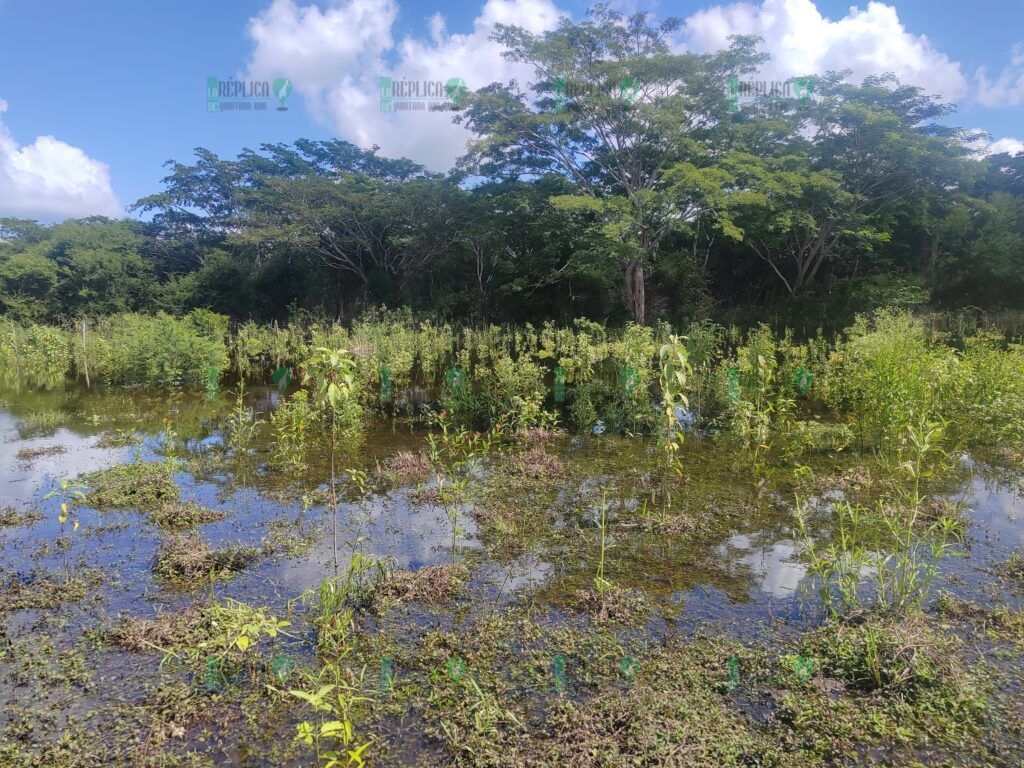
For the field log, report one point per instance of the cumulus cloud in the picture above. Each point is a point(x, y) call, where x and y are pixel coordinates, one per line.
point(1007, 90)
point(334, 51)
point(51, 180)
point(336, 54)
point(801, 42)
point(984, 145)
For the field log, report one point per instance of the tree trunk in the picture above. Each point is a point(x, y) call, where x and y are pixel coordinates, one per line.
point(635, 289)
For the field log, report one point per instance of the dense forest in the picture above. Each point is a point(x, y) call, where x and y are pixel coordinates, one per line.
point(577, 197)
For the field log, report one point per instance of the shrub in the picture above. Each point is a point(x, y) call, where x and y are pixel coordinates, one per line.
point(157, 350)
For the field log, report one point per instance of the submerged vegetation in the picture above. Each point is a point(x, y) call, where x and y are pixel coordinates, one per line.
point(690, 454)
point(623, 459)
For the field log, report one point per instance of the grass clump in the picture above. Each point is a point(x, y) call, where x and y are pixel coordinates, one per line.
point(11, 517)
point(150, 489)
point(139, 485)
point(1014, 567)
point(537, 464)
point(43, 590)
point(28, 455)
point(187, 558)
point(434, 584)
point(614, 604)
point(898, 656)
point(406, 467)
point(886, 680)
point(44, 420)
point(181, 515)
point(999, 622)
point(166, 630)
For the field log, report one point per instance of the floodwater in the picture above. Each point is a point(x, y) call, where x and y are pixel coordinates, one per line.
point(740, 571)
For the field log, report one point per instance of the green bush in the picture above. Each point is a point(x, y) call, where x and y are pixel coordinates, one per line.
point(887, 375)
point(37, 354)
point(152, 350)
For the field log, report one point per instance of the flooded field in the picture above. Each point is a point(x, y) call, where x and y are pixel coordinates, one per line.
point(205, 606)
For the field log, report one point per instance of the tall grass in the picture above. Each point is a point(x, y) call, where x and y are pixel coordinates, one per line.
point(883, 374)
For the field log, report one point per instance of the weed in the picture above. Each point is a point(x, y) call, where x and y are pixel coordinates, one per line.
point(241, 427)
point(137, 485)
point(433, 584)
point(28, 455)
point(11, 517)
point(186, 558)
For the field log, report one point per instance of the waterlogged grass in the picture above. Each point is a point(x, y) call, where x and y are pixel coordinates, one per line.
point(11, 517)
point(186, 559)
point(47, 590)
point(144, 486)
point(521, 596)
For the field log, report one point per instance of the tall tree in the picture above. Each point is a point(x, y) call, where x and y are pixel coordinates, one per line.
point(612, 108)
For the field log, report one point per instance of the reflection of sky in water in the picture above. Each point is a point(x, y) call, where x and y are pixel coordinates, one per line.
point(998, 516)
point(773, 566)
point(20, 482)
point(743, 573)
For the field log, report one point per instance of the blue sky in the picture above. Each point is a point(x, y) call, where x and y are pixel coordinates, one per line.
point(120, 86)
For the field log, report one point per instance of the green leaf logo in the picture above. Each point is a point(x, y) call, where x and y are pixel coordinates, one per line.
point(456, 90)
point(282, 88)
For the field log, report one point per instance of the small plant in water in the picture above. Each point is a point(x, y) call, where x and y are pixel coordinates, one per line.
point(332, 374)
point(601, 585)
point(68, 493)
point(241, 426)
point(454, 453)
point(897, 548)
point(672, 377)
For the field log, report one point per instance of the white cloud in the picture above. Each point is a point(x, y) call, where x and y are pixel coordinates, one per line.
point(1011, 146)
point(334, 51)
point(1007, 90)
point(801, 42)
point(984, 145)
point(51, 180)
point(335, 55)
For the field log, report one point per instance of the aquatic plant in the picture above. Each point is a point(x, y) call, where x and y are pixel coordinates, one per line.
point(672, 373)
point(68, 494)
point(138, 485)
point(331, 372)
point(155, 350)
point(291, 424)
point(332, 736)
point(602, 586)
point(896, 549)
point(887, 375)
point(759, 408)
point(241, 427)
point(453, 453)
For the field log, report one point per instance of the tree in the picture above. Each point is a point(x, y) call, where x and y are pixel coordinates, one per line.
point(27, 286)
point(612, 109)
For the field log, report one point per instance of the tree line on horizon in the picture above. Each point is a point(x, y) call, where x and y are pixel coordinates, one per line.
point(666, 200)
